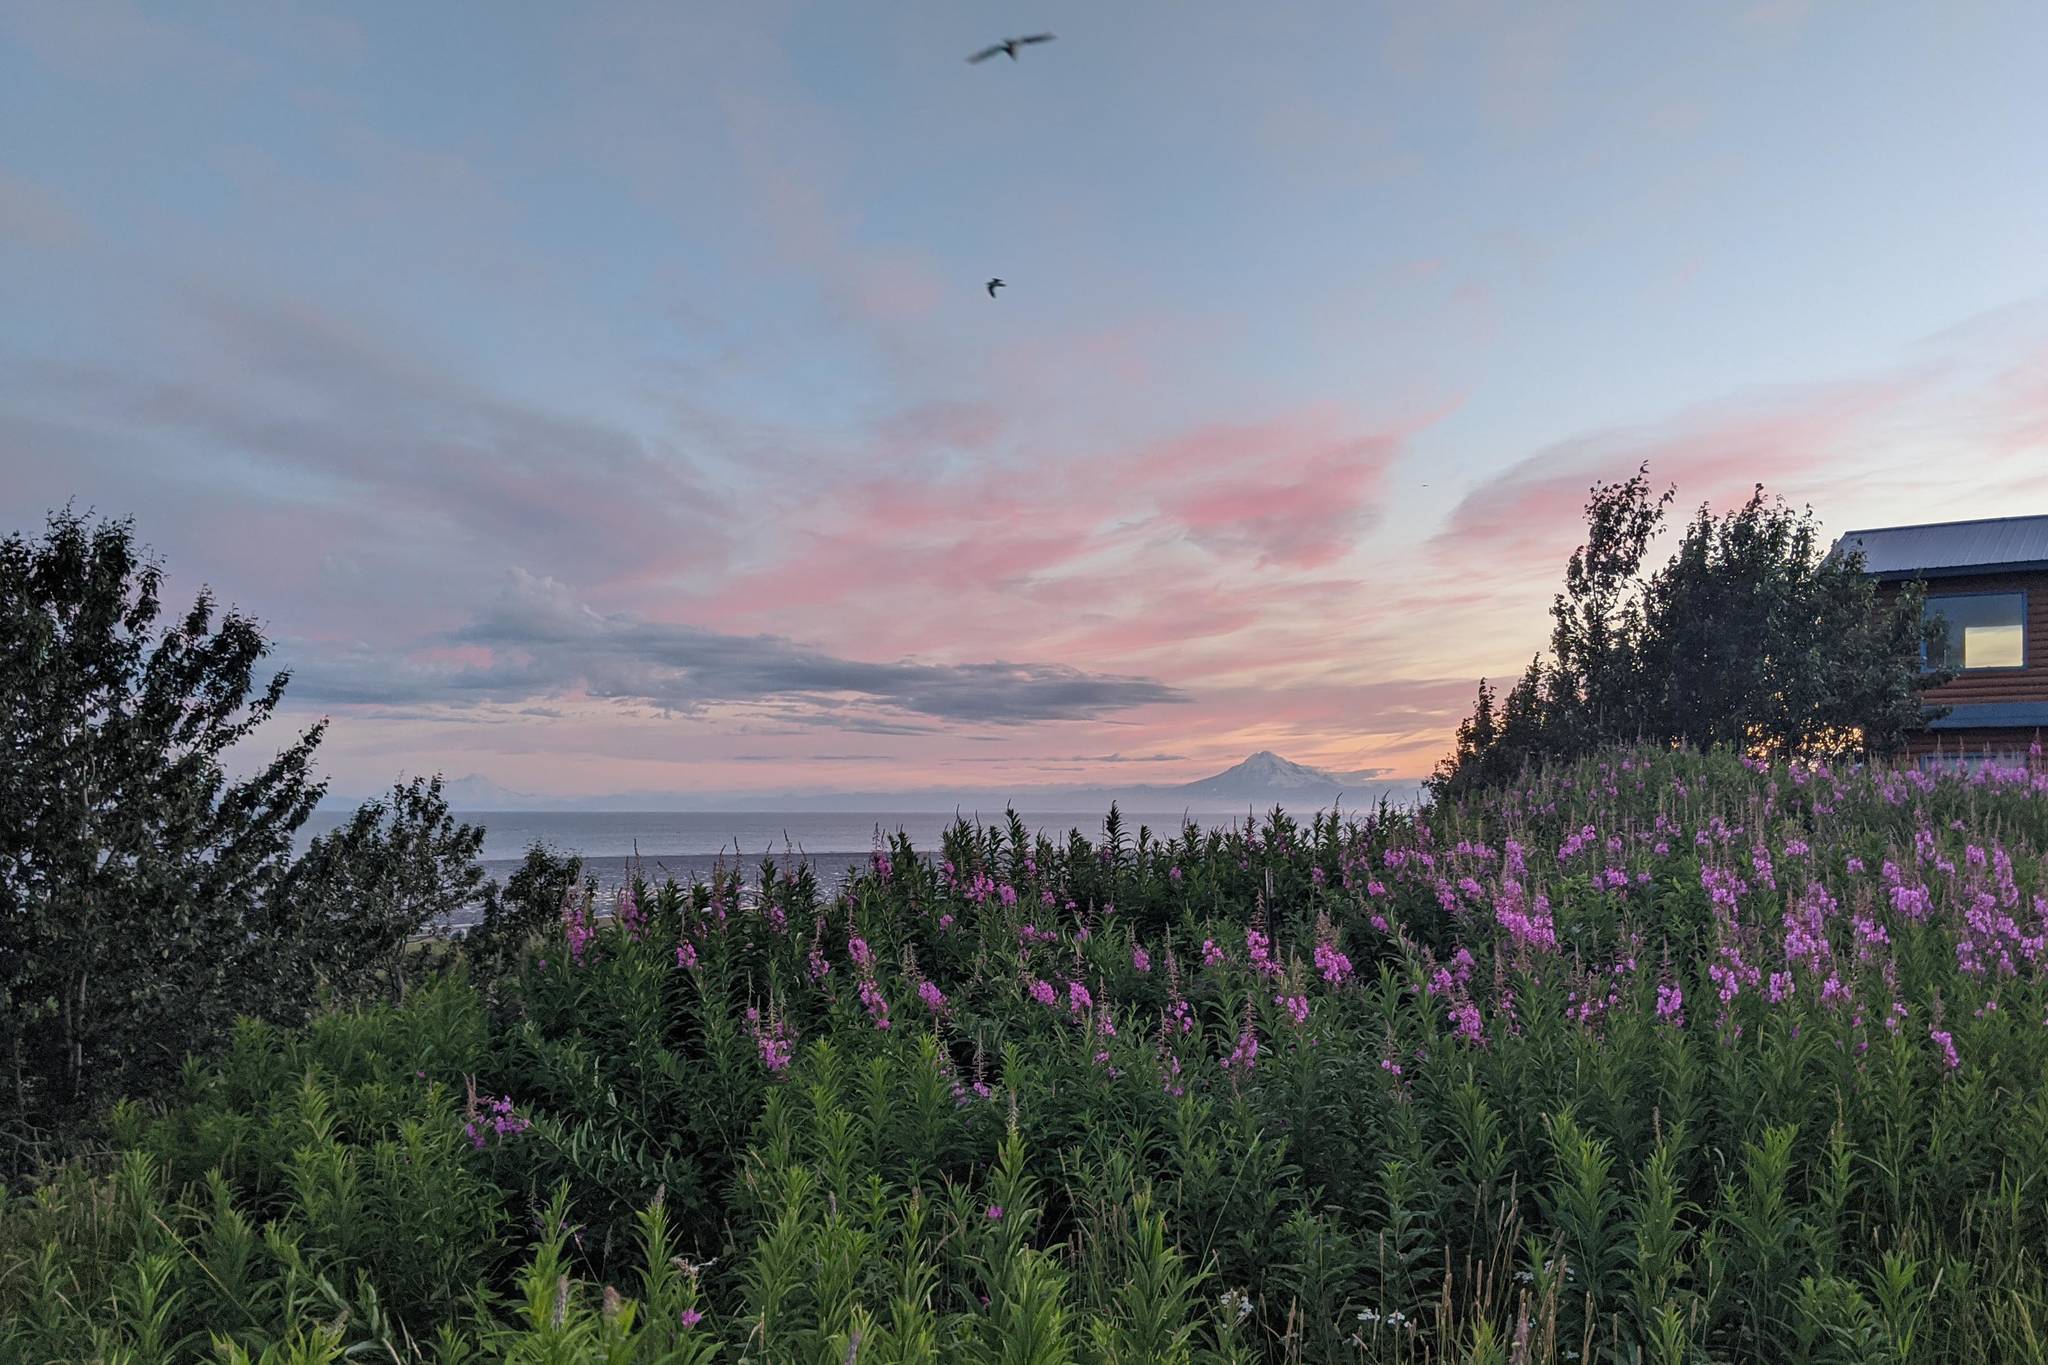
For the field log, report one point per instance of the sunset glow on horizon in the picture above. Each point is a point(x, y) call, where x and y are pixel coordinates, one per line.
point(607, 398)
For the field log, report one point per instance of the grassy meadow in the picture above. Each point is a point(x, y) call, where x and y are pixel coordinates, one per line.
point(1655, 1058)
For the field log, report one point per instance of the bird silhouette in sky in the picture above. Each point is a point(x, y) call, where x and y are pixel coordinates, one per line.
point(994, 285)
point(1009, 45)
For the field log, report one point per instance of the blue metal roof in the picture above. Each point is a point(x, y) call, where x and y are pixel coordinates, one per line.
point(2004, 715)
point(1949, 548)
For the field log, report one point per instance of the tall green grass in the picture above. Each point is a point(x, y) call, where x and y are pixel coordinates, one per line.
point(1658, 1058)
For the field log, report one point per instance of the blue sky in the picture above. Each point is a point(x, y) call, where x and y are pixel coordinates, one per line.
point(606, 396)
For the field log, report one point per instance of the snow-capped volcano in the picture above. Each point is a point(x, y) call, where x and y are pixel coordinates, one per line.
point(1265, 773)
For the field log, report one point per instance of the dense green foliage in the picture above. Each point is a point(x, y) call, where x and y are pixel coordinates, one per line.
point(136, 917)
point(1652, 1057)
point(147, 898)
point(1752, 637)
point(362, 891)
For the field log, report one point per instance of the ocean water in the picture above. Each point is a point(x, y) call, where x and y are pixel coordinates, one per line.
point(690, 843)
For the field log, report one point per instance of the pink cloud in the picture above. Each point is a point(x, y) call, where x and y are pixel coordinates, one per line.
point(2022, 402)
point(1532, 515)
point(894, 563)
point(1287, 492)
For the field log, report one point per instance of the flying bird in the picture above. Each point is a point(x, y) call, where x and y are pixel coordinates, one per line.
point(994, 285)
point(1009, 45)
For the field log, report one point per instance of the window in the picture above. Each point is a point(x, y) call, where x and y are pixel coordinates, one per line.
point(1985, 630)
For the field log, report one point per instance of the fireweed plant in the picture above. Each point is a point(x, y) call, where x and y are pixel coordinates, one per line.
point(1655, 1058)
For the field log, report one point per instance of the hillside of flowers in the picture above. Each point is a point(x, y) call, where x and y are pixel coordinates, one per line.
point(1656, 1058)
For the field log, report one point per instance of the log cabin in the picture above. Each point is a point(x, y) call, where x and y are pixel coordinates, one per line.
point(1989, 581)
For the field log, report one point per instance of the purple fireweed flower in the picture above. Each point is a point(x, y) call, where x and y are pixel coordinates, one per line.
point(1170, 1069)
point(497, 1118)
point(1141, 961)
point(686, 953)
point(934, 999)
point(1078, 1000)
point(773, 1039)
point(1333, 965)
point(1044, 994)
point(1912, 902)
point(1296, 1007)
point(857, 949)
point(576, 927)
point(1671, 1004)
point(1173, 873)
point(1947, 1043)
point(994, 1213)
point(877, 1004)
point(691, 1317)
point(1528, 924)
point(1245, 1056)
point(1211, 954)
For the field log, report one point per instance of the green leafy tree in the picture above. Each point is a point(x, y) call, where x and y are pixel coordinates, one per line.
point(363, 891)
point(135, 874)
point(1752, 636)
point(531, 900)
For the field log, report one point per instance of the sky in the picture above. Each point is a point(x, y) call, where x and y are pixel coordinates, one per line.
point(605, 397)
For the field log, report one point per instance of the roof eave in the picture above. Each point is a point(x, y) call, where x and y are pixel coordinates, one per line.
point(1959, 570)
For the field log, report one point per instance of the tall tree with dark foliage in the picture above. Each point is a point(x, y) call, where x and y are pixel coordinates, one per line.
point(402, 865)
point(135, 874)
point(1751, 636)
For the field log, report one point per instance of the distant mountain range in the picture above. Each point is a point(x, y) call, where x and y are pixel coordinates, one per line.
point(1261, 781)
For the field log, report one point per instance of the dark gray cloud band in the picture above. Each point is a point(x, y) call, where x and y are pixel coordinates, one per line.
point(543, 643)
